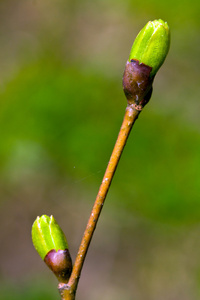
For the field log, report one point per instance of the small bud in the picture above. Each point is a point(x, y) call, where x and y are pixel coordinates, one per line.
point(51, 244)
point(148, 53)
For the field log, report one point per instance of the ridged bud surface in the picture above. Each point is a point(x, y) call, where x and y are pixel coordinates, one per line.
point(152, 45)
point(51, 244)
point(47, 235)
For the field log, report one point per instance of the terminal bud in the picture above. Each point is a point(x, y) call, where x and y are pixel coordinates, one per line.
point(148, 53)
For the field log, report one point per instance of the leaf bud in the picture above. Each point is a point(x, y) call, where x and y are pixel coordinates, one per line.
point(148, 53)
point(51, 244)
point(151, 45)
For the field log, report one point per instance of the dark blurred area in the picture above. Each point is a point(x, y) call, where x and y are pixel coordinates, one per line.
point(61, 107)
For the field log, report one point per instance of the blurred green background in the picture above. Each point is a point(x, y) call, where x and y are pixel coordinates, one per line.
point(61, 107)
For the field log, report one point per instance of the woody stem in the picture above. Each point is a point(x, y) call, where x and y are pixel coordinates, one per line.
point(68, 290)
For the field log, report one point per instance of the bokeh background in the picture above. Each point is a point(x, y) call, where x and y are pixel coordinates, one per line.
point(61, 106)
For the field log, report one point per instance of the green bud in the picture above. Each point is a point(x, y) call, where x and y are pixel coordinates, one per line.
point(51, 244)
point(148, 53)
point(152, 45)
point(47, 235)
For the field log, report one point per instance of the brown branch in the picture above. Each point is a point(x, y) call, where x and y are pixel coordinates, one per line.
point(68, 290)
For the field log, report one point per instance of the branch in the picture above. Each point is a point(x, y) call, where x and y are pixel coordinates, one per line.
point(68, 290)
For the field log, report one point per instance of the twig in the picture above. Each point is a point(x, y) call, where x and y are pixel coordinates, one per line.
point(68, 290)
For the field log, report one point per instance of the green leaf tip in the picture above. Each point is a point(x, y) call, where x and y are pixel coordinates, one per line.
point(152, 45)
point(47, 235)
